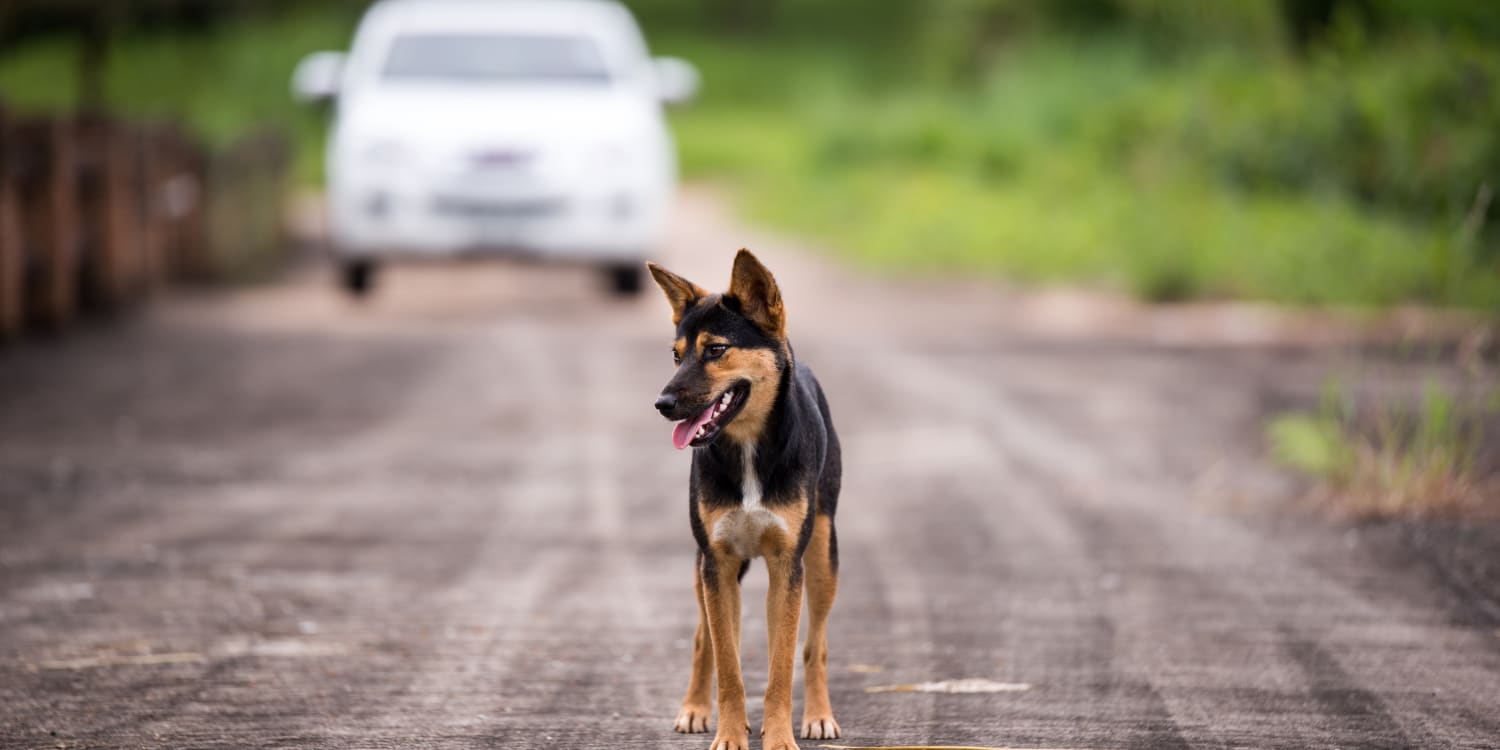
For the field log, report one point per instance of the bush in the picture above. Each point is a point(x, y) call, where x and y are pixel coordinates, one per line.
point(1389, 460)
point(1217, 175)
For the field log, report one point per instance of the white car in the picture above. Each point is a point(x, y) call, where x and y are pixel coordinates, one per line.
point(520, 127)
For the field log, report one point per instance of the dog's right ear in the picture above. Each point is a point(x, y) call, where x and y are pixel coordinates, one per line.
point(680, 292)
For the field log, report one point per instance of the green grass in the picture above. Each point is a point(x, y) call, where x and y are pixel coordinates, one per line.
point(1189, 169)
point(1391, 459)
point(1091, 161)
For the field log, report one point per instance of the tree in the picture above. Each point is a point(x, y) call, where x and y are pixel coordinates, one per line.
point(95, 23)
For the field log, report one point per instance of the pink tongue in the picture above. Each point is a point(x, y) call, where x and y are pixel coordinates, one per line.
point(683, 433)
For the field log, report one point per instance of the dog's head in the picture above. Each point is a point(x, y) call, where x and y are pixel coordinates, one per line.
point(730, 352)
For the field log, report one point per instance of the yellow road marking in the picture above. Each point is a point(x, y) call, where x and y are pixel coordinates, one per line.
point(90, 662)
point(969, 685)
point(935, 747)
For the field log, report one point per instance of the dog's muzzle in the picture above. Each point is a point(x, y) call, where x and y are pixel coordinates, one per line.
point(665, 403)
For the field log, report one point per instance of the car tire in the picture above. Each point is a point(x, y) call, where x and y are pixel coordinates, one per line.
point(625, 279)
point(358, 277)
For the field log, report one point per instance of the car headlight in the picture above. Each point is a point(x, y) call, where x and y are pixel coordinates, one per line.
point(612, 157)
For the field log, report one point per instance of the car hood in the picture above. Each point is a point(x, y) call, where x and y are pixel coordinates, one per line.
point(459, 119)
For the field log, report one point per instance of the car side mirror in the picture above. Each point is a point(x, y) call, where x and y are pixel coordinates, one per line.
point(317, 76)
point(676, 80)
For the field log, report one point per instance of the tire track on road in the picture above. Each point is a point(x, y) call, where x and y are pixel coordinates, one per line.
point(1036, 553)
point(1163, 548)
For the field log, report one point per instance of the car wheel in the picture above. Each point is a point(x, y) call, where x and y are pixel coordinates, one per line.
point(625, 279)
point(358, 277)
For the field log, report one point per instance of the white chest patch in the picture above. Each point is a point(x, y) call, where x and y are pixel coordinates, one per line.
point(749, 482)
point(743, 527)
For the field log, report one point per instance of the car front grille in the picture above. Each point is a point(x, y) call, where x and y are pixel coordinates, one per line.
point(488, 209)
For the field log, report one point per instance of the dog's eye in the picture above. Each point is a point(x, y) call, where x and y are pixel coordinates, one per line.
point(676, 358)
point(714, 351)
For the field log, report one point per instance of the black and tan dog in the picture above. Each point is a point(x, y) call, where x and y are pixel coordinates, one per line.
point(765, 481)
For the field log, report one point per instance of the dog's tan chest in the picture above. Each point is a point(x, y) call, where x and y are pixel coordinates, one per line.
point(743, 529)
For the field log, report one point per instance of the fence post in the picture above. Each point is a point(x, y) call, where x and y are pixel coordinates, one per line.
point(245, 200)
point(185, 200)
point(122, 235)
point(156, 222)
point(186, 194)
point(43, 174)
point(111, 261)
point(98, 212)
point(12, 254)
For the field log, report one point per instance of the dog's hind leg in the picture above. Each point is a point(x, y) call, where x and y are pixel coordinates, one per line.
point(698, 705)
point(821, 564)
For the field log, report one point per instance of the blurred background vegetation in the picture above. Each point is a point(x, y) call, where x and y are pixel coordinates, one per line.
point(1304, 151)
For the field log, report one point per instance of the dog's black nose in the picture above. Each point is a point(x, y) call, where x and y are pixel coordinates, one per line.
point(666, 403)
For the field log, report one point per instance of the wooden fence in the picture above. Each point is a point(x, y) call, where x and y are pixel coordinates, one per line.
point(97, 214)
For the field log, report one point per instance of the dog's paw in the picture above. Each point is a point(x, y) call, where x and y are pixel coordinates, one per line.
point(692, 719)
point(779, 740)
point(728, 742)
point(820, 728)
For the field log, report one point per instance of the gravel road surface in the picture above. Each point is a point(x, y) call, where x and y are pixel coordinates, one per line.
point(451, 518)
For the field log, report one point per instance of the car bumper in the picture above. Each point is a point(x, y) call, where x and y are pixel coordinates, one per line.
point(583, 225)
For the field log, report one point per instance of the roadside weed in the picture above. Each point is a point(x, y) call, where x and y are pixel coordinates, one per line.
point(1389, 457)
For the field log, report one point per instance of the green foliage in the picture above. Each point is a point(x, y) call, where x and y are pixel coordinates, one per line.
point(1173, 148)
point(1391, 459)
point(1410, 125)
point(221, 82)
point(1311, 444)
point(1222, 174)
point(1318, 443)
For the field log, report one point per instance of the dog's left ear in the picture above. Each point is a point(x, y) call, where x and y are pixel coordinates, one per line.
point(681, 293)
point(754, 288)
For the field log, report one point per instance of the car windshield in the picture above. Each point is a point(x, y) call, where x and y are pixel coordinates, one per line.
point(495, 58)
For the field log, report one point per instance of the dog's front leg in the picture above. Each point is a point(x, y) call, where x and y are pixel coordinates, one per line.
point(697, 705)
point(720, 574)
point(783, 609)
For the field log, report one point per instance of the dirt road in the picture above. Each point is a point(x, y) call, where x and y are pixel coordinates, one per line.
point(451, 518)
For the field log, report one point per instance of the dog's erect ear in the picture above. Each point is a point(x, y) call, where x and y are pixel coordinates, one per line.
point(754, 288)
point(680, 292)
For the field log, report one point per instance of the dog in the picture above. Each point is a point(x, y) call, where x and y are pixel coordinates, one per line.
point(764, 483)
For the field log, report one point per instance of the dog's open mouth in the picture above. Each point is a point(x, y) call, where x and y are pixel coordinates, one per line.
point(702, 429)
